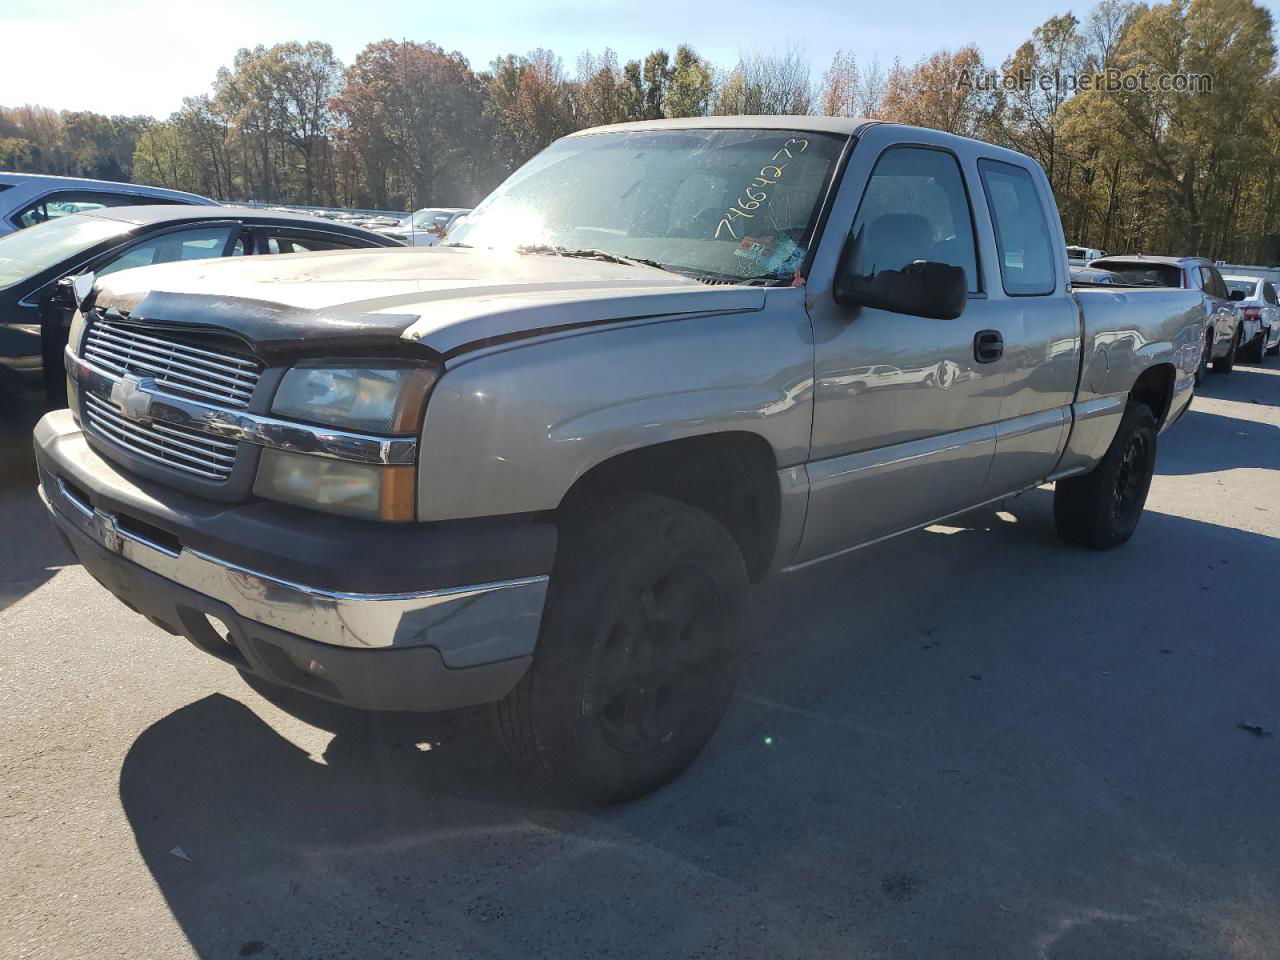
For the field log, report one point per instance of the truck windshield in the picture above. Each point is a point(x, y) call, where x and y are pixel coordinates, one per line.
point(732, 204)
point(32, 251)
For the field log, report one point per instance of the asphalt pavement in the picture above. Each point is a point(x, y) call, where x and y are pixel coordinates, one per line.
point(972, 741)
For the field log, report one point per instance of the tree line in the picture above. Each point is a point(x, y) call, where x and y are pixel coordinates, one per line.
point(407, 124)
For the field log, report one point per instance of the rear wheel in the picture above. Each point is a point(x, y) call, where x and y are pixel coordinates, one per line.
point(1101, 509)
point(638, 653)
point(1227, 364)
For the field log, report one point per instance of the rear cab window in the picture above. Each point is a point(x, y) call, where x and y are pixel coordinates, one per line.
point(1022, 232)
point(284, 241)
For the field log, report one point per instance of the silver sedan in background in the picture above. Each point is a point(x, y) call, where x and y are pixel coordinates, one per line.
point(1259, 308)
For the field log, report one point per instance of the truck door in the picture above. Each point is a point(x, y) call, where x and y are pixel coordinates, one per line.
point(905, 407)
point(1030, 304)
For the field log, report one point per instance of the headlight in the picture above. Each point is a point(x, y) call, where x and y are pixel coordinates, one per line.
point(377, 399)
point(368, 490)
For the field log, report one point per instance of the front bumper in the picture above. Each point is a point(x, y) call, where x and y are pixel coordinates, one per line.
point(427, 649)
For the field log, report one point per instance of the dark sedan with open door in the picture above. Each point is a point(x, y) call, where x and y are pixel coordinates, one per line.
point(38, 264)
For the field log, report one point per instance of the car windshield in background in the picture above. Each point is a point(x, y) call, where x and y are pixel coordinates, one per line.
point(1143, 274)
point(736, 204)
point(34, 250)
point(1248, 287)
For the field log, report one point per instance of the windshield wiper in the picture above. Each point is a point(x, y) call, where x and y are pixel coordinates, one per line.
point(694, 273)
point(589, 253)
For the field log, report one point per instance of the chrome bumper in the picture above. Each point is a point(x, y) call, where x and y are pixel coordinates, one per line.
point(470, 625)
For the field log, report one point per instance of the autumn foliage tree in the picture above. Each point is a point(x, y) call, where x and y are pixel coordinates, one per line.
point(409, 124)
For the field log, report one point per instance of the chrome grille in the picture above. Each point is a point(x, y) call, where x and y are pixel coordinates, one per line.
point(178, 365)
point(175, 447)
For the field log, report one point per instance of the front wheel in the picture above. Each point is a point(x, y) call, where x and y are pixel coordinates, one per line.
point(1101, 509)
point(639, 650)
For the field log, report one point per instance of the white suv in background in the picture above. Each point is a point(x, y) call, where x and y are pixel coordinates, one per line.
point(1259, 308)
point(1080, 256)
point(30, 198)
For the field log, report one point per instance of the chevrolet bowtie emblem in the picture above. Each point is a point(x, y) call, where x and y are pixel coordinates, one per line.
point(131, 396)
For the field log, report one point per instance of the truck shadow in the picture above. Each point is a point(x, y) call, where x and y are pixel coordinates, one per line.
point(32, 550)
point(1203, 442)
point(969, 741)
point(1247, 383)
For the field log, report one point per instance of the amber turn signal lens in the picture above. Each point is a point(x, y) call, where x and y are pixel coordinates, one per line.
point(398, 500)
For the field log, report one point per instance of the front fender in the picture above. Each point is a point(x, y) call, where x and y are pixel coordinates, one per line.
point(509, 431)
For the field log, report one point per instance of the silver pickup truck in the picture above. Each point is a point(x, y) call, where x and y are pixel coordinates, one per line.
point(539, 465)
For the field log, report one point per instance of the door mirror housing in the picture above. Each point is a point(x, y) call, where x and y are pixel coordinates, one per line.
point(923, 288)
point(83, 286)
point(1237, 295)
point(70, 291)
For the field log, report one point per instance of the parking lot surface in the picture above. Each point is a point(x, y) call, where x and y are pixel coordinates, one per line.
point(972, 741)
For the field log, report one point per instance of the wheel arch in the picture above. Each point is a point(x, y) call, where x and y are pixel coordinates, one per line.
point(731, 475)
point(1155, 388)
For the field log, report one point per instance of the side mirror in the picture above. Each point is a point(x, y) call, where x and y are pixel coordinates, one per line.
point(80, 287)
point(920, 289)
point(1237, 295)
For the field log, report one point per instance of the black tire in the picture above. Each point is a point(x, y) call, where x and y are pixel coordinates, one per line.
point(1202, 370)
point(1101, 509)
point(639, 652)
point(1260, 351)
point(1274, 351)
point(1227, 364)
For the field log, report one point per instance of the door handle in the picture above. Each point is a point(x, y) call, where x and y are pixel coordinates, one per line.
point(988, 346)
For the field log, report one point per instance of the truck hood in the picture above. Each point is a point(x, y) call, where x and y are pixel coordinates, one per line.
point(444, 300)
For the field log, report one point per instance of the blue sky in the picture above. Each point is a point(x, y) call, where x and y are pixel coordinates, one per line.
point(143, 56)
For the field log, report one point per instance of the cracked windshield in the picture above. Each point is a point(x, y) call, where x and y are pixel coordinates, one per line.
point(720, 204)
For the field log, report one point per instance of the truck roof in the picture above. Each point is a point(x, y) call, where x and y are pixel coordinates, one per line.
point(839, 126)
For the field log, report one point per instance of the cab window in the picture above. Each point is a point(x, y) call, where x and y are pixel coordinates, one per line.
point(1219, 285)
point(1022, 233)
point(1269, 293)
point(915, 208)
point(67, 202)
point(200, 243)
point(284, 243)
point(1214, 285)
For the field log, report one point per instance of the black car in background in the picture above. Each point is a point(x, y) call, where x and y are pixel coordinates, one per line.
point(36, 308)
